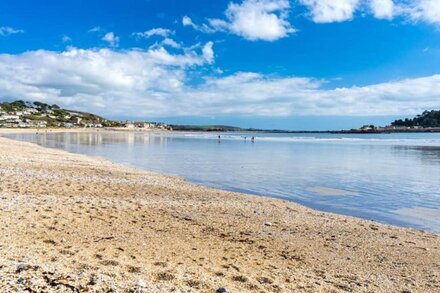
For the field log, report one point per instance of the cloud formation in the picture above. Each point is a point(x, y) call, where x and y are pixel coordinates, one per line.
point(327, 11)
point(154, 32)
point(157, 83)
point(424, 10)
point(324, 11)
point(170, 42)
point(66, 39)
point(383, 9)
point(111, 39)
point(208, 52)
point(95, 29)
point(187, 21)
point(268, 20)
point(7, 30)
point(251, 19)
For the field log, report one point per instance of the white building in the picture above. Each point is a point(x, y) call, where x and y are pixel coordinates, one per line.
point(11, 117)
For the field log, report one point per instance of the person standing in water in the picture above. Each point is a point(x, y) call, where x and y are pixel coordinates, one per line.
point(253, 139)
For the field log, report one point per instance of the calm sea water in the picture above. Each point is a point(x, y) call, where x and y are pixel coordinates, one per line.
point(390, 178)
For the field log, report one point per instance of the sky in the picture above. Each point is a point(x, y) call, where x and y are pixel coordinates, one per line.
point(285, 64)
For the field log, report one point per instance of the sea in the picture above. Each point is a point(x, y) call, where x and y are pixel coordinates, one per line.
point(387, 178)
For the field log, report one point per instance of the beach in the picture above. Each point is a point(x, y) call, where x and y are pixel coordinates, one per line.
point(73, 223)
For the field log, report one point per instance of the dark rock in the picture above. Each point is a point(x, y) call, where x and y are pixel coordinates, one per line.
point(241, 279)
point(264, 280)
point(92, 280)
point(221, 290)
point(21, 267)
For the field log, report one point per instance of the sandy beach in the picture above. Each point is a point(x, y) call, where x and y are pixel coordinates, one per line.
point(72, 223)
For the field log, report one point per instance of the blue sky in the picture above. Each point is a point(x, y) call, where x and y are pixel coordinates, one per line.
point(299, 64)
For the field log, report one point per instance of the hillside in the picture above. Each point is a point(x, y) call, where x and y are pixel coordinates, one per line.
point(21, 114)
point(37, 114)
point(426, 120)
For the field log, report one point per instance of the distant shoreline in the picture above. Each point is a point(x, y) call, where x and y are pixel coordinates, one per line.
point(353, 131)
point(429, 130)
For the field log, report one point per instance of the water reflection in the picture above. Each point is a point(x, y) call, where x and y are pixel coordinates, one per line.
point(381, 174)
point(424, 217)
point(428, 153)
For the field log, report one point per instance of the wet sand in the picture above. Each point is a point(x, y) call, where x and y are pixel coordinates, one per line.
point(325, 191)
point(72, 223)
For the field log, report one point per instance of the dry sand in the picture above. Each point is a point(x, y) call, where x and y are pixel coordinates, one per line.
point(72, 223)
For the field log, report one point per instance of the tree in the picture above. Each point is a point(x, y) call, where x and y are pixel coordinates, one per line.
point(426, 119)
point(41, 105)
point(20, 104)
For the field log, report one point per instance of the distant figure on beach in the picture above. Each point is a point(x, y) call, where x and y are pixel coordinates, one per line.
point(219, 139)
point(253, 139)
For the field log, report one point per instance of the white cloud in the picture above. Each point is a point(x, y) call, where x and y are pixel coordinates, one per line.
point(424, 10)
point(324, 11)
point(156, 83)
point(109, 82)
point(95, 29)
point(383, 9)
point(327, 11)
point(66, 39)
point(256, 94)
point(268, 19)
point(154, 32)
point(171, 43)
point(111, 39)
point(208, 52)
point(6, 31)
point(162, 32)
point(187, 21)
point(252, 19)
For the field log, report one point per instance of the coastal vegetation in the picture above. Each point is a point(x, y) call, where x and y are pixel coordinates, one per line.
point(23, 114)
point(426, 119)
point(38, 114)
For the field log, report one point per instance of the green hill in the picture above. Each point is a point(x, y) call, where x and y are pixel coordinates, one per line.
point(426, 120)
point(37, 114)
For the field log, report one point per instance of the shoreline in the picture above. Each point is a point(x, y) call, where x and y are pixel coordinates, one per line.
point(65, 216)
point(73, 130)
point(122, 129)
point(387, 220)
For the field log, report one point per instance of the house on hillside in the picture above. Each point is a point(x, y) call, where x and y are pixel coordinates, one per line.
point(368, 128)
point(77, 120)
point(11, 118)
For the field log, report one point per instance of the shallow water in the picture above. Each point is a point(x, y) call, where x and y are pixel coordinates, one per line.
point(388, 178)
